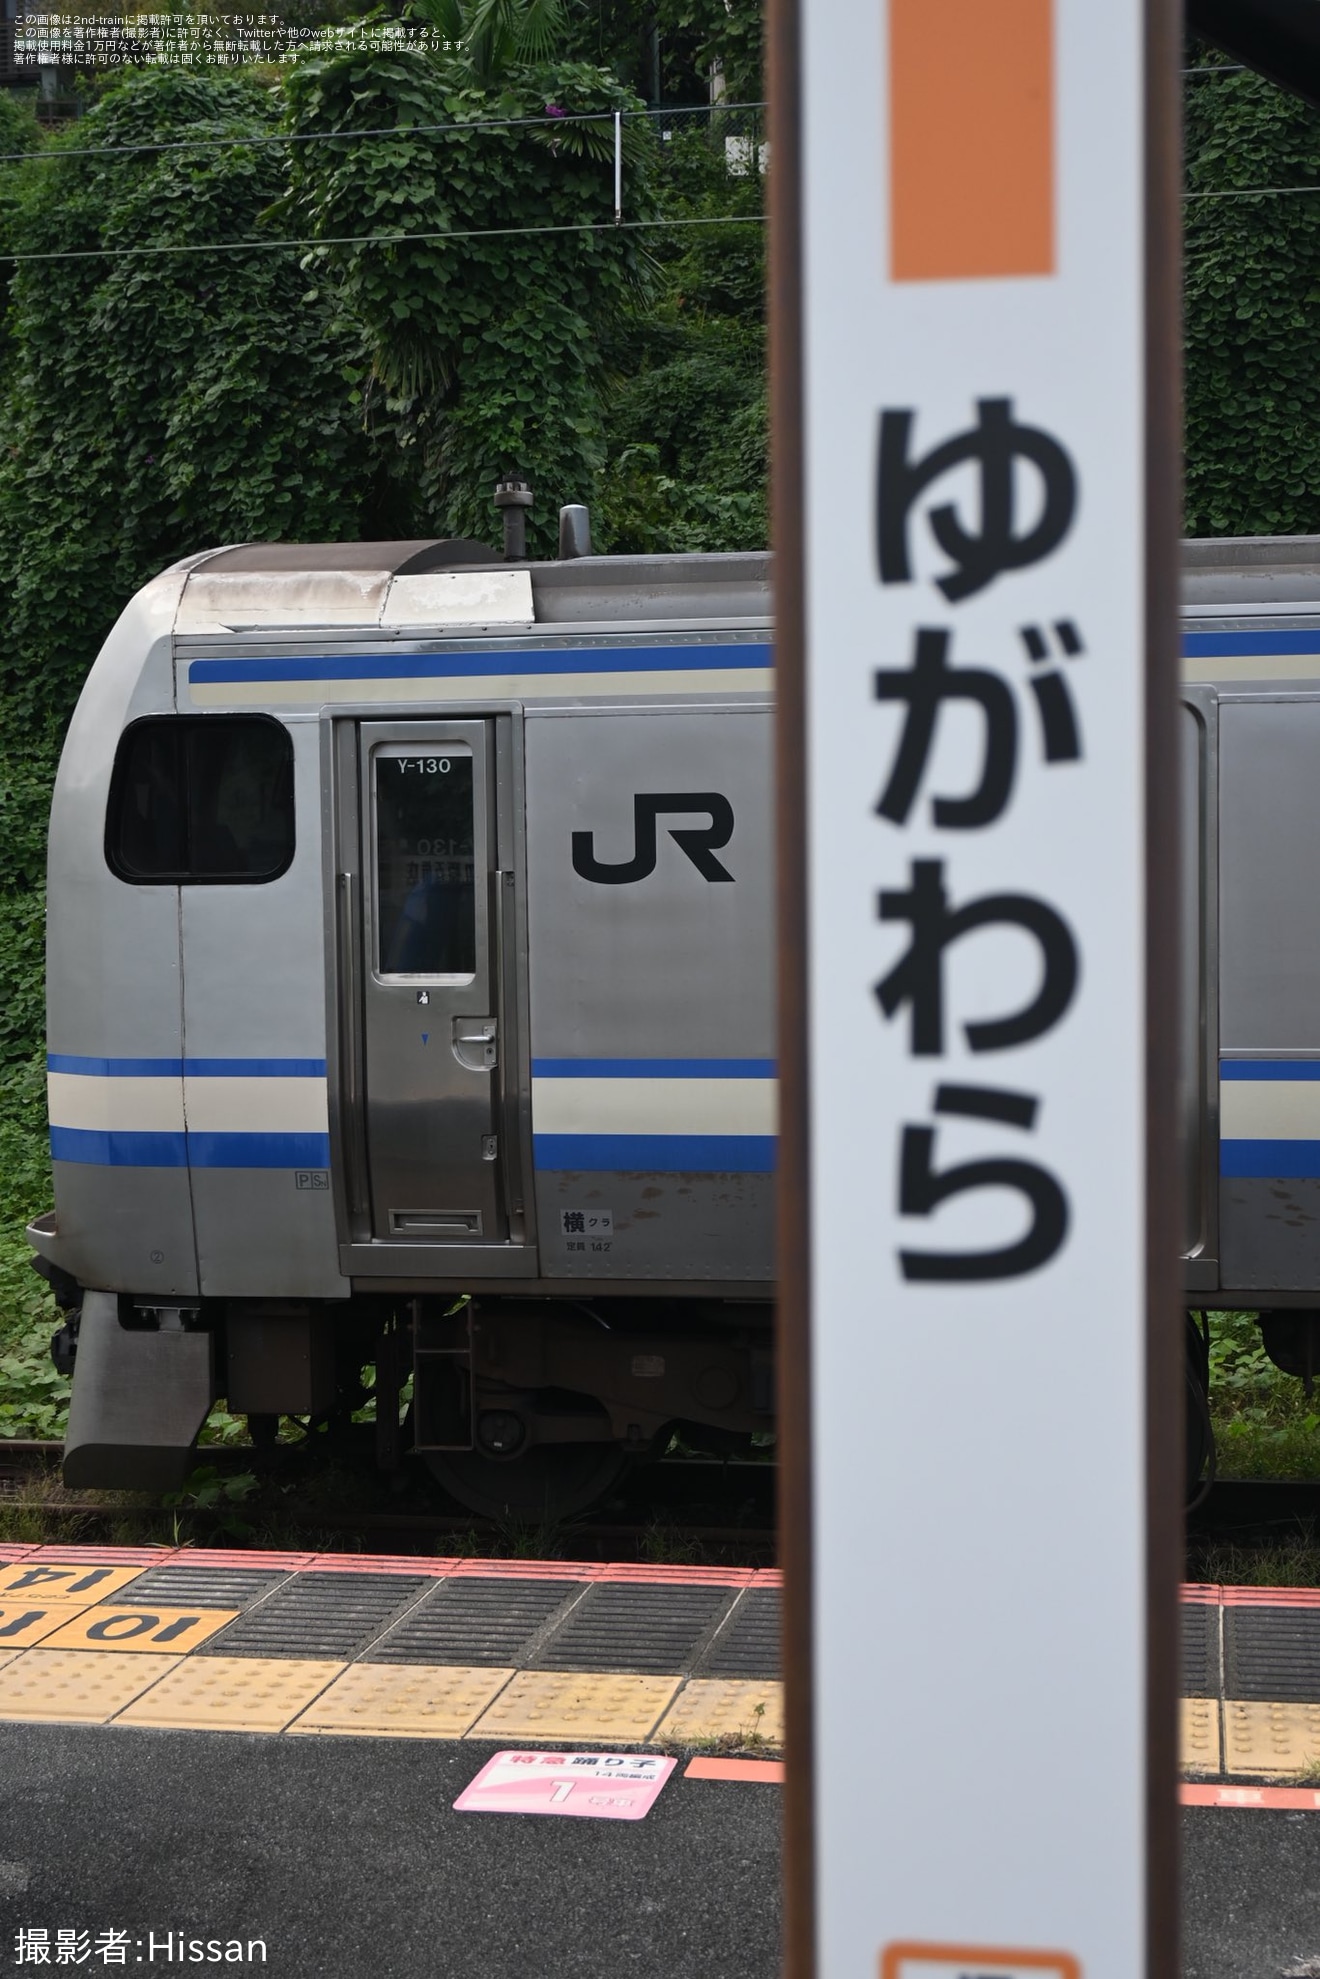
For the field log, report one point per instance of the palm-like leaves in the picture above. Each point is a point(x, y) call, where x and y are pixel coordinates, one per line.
point(498, 33)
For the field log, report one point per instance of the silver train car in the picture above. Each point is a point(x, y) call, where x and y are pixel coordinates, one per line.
point(409, 937)
point(410, 1003)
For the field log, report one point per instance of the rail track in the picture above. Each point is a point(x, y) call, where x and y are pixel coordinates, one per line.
point(1266, 1507)
point(681, 1509)
point(727, 1508)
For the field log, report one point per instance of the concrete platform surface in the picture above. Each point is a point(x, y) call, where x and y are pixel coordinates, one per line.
point(260, 1753)
point(346, 1859)
point(1251, 1894)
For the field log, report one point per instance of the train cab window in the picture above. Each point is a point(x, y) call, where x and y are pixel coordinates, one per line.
point(201, 799)
point(426, 902)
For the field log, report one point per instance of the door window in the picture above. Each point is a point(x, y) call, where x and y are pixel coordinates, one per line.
point(426, 905)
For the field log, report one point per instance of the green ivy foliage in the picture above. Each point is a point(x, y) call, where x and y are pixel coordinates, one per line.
point(687, 424)
point(152, 406)
point(19, 129)
point(18, 125)
point(722, 33)
point(20, 138)
point(483, 354)
point(1252, 310)
point(667, 49)
point(159, 403)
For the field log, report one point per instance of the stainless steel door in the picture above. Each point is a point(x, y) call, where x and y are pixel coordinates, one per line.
point(430, 1031)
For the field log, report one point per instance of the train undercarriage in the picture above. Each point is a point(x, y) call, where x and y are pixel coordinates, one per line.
point(520, 1408)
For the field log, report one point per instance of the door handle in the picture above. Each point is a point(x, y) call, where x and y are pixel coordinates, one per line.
point(474, 1043)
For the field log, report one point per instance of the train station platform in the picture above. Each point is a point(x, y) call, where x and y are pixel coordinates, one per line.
point(357, 1700)
point(1251, 1695)
point(360, 1698)
point(351, 1645)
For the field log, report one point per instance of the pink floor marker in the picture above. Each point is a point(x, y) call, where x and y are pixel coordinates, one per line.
point(602, 1786)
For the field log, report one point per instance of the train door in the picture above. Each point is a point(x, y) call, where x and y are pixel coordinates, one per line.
point(1269, 797)
point(430, 969)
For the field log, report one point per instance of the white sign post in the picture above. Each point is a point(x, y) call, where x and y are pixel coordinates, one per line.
point(974, 269)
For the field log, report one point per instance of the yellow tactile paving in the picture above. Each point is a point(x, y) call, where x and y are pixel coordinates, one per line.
point(1266, 1738)
point(231, 1693)
point(1200, 1735)
point(710, 1707)
point(66, 1686)
point(176, 1630)
point(24, 1622)
point(572, 1704)
point(403, 1701)
point(54, 1580)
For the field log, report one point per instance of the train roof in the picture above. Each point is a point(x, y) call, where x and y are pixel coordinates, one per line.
point(392, 587)
point(402, 587)
point(1251, 573)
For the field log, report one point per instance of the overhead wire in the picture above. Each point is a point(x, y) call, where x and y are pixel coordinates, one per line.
point(52, 152)
point(55, 152)
point(1251, 192)
point(379, 240)
point(558, 119)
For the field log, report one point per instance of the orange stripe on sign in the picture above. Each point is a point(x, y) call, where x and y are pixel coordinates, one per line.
point(971, 139)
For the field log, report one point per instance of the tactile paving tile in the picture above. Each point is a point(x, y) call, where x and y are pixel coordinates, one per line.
point(172, 1631)
point(201, 1586)
point(24, 1622)
point(719, 1707)
point(576, 1705)
point(1200, 1649)
point(64, 1580)
point(1272, 1654)
point(231, 1693)
point(1199, 1740)
point(416, 1701)
point(334, 1615)
point(748, 1643)
point(473, 1621)
point(1261, 1737)
point(67, 1686)
point(617, 1626)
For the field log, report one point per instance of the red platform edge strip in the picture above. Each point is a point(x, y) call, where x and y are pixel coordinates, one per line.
point(431, 1566)
point(769, 1771)
point(1197, 1594)
point(440, 1567)
point(1194, 1794)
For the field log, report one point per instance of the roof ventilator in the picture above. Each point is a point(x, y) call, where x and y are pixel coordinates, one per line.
point(513, 499)
point(574, 531)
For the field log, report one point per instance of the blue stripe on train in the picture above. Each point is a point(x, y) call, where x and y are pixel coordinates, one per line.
point(653, 1068)
point(195, 1068)
point(114, 1149)
point(1275, 1160)
point(1269, 1068)
point(506, 660)
point(118, 1150)
point(668, 1154)
point(1204, 645)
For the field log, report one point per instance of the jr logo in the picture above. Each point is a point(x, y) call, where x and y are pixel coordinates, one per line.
point(700, 845)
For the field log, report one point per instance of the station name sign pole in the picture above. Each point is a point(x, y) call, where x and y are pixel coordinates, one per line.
point(974, 350)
